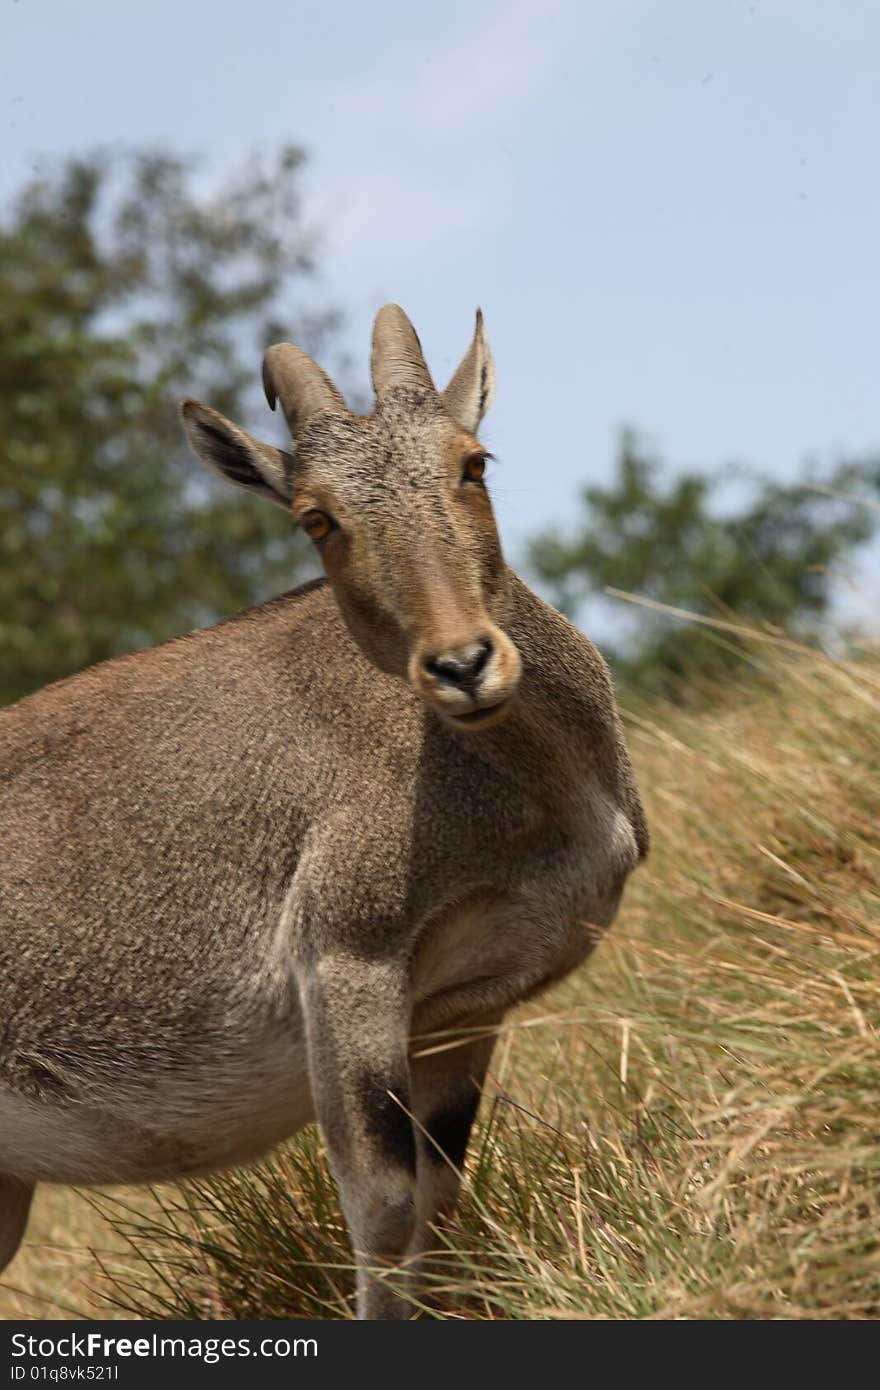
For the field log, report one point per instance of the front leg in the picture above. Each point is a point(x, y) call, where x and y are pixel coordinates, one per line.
point(357, 1025)
point(446, 1088)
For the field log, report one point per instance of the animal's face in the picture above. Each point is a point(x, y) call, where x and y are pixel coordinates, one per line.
point(398, 509)
point(402, 520)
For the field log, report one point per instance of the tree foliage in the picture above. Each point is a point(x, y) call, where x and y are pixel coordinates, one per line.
point(767, 561)
point(124, 287)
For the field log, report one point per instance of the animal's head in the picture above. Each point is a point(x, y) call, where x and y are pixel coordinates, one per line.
point(396, 504)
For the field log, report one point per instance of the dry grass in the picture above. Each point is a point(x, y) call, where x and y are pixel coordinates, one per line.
point(689, 1127)
point(57, 1273)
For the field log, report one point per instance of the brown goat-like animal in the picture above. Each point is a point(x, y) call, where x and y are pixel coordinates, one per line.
point(246, 873)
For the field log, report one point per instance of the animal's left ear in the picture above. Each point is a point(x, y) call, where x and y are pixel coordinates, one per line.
point(470, 392)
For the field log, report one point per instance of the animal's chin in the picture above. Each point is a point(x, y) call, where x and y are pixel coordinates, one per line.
point(482, 718)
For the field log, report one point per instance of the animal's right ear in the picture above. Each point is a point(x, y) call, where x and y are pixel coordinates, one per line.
point(236, 455)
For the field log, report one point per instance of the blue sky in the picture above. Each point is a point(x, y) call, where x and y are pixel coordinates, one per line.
point(668, 209)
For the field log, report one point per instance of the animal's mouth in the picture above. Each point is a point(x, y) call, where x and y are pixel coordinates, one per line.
point(480, 718)
point(467, 699)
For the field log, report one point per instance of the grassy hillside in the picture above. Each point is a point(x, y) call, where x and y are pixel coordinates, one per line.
point(688, 1127)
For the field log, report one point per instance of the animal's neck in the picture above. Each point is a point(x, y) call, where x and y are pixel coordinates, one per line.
point(562, 734)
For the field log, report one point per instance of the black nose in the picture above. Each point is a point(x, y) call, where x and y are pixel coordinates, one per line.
point(461, 667)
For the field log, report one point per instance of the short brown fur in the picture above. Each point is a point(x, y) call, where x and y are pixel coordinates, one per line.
point(244, 873)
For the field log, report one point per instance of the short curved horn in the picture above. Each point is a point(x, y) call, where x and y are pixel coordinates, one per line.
point(469, 393)
point(291, 377)
point(396, 359)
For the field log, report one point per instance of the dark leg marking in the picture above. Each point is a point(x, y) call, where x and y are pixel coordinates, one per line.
point(387, 1120)
point(450, 1129)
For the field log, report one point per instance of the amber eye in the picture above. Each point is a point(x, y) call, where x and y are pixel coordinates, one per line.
point(317, 525)
point(475, 467)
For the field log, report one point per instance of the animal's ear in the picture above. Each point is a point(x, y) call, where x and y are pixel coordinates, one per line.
point(470, 392)
point(236, 455)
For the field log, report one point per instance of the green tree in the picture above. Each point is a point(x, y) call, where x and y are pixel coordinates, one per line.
point(768, 561)
point(124, 287)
